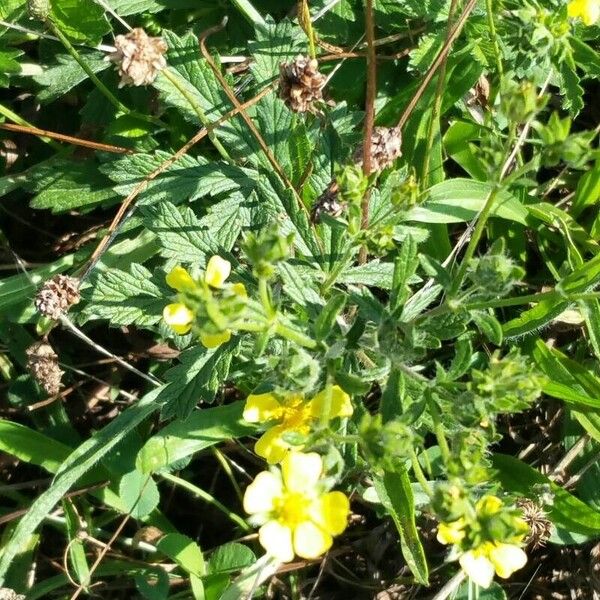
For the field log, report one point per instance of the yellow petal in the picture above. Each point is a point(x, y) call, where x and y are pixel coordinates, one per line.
point(213, 340)
point(488, 505)
point(239, 289)
point(178, 317)
point(261, 493)
point(271, 445)
point(451, 533)
point(478, 568)
point(507, 558)
point(261, 407)
point(340, 403)
point(217, 271)
point(301, 471)
point(276, 539)
point(310, 541)
point(179, 279)
point(334, 508)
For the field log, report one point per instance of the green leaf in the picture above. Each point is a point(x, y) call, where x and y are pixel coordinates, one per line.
point(77, 556)
point(139, 494)
point(582, 279)
point(190, 85)
point(60, 78)
point(184, 551)
point(79, 462)
point(32, 446)
point(572, 91)
point(230, 557)
point(585, 56)
point(274, 44)
point(124, 8)
point(396, 495)
point(566, 511)
point(535, 318)
point(81, 21)
point(458, 200)
point(126, 298)
point(62, 185)
point(196, 379)
point(488, 325)
point(494, 592)
point(202, 429)
point(185, 238)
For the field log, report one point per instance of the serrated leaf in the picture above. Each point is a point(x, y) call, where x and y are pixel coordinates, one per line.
point(126, 298)
point(187, 179)
point(139, 494)
point(569, 84)
point(230, 557)
point(190, 85)
point(81, 21)
point(60, 78)
point(196, 379)
point(274, 44)
point(124, 8)
point(202, 429)
point(62, 185)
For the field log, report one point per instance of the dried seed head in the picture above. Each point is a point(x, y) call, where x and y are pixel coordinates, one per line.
point(8, 594)
point(540, 527)
point(139, 57)
point(327, 203)
point(42, 363)
point(386, 147)
point(57, 295)
point(300, 83)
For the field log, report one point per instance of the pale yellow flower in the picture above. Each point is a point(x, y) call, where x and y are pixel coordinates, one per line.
point(451, 533)
point(292, 414)
point(178, 317)
point(296, 517)
point(481, 563)
point(586, 10)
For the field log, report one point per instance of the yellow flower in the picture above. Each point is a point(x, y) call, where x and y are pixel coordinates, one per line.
point(179, 279)
point(451, 533)
point(293, 414)
point(178, 317)
point(481, 563)
point(217, 271)
point(586, 10)
point(297, 518)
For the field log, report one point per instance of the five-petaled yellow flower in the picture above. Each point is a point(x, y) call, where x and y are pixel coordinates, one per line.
point(489, 557)
point(293, 414)
point(296, 516)
point(586, 10)
point(180, 317)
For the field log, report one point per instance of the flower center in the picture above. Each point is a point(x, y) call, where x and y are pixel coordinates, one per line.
point(292, 508)
point(295, 414)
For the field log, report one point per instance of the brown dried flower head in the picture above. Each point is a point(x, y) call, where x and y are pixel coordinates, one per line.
point(301, 83)
point(327, 203)
point(386, 147)
point(42, 363)
point(57, 295)
point(139, 57)
point(540, 527)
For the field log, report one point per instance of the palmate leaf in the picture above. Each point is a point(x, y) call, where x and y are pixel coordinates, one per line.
point(126, 298)
point(196, 379)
